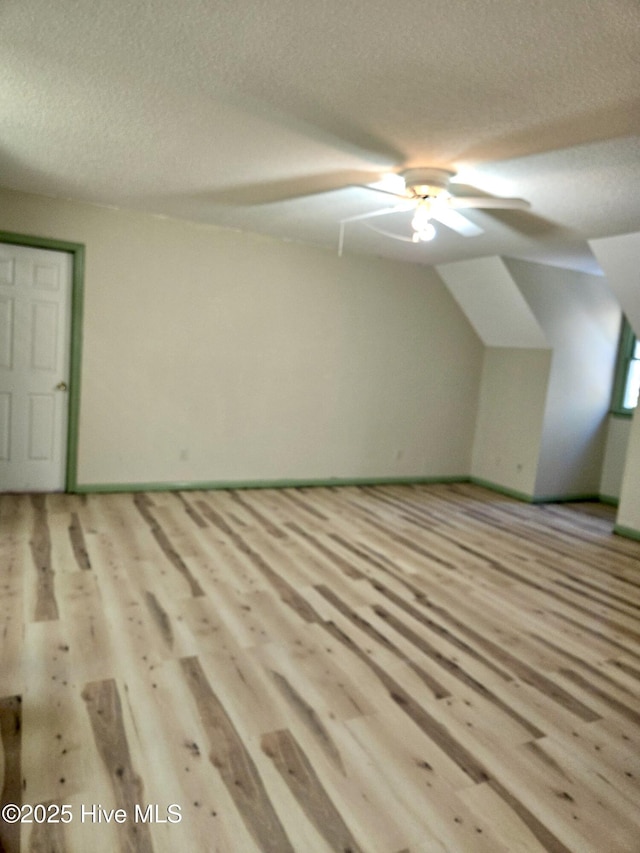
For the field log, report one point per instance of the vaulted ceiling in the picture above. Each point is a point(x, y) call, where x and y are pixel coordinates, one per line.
point(266, 115)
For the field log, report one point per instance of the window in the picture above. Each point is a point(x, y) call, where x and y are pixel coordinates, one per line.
point(627, 383)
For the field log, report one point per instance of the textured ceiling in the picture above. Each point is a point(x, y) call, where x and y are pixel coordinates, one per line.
point(210, 110)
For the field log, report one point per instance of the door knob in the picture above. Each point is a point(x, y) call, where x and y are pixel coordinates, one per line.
point(61, 386)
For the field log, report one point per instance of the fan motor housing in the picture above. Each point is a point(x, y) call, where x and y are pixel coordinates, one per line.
point(427, 182)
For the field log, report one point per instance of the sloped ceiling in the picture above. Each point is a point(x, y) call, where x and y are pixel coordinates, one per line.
point(493, 303)
point(211, 111)
point(618, 259)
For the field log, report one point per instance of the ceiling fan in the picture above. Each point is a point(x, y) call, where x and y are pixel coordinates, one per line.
point(428, 193)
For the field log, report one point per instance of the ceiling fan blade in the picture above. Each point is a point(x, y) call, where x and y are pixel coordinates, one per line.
point(359, 217)
point(289, 189)
point(458, 223)
point(380, 190)
point(390, 234)
point(372, 213)
point(488, 202)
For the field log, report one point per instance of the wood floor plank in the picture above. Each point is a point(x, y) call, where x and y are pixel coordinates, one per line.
point(370, 668)
point(454, 674)
point(52, 768)
point(14, 597)
point(561, 801)
point(82, 612)
point(178, 771)
point(10, 766)
point(420, 790)
point(47, 837)
point(104, 708)
point(297, 771)
point(46, 606)
point(310, 719)
point(230, 756)
point(246, 690)
point(508, 824)
point(607, 781)
point(78, 544)
point(378, 818)
point(336, 691)
point(145, 506)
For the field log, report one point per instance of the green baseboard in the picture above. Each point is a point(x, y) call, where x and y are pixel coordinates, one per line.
point(502, 490)
point(534, 499)
point(627, 532)
point(213, 485)
point(308, 483)
point(559, 499)
point(612, 500)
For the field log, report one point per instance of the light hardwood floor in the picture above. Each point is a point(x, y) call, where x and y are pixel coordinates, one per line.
point(354, 669)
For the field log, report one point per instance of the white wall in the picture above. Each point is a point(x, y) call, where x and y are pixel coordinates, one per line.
point(613, 465)
point(515, 373)
point(510, 417)
point(628, 518)
point(580, 317)
point(212, 355)
point(619, 258)
point(485, 290)
point(551, 337)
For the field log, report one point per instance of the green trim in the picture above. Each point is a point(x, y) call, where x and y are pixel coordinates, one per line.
point(560, 499)
point(220, 485)
point(533, 499)
point(215, 485)
point(628, 532)
point(77, 251)
point(502, 490)
point(623, 360)
point(612, 500)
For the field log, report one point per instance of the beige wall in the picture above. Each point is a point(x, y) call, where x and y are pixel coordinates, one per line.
point(487, 293)
point(581, 319)
point(510, 416)
point(544, 401)
point(628, 518)
point(618, 429)
point(212, 355)
point(619, 257)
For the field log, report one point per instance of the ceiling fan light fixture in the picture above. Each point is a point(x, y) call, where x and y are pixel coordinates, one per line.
point(426, 233)
point(427, 193)
point(427, 183)
point(421, 222)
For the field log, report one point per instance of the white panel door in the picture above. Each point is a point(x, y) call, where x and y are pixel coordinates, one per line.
point(35, 323)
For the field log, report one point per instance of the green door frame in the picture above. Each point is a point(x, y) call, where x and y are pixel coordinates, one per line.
point(77, 252)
